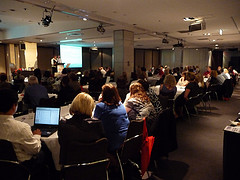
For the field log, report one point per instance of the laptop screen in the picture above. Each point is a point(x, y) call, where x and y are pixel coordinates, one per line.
point(47, 116)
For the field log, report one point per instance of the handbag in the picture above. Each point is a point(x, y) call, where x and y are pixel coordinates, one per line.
point(146, 148)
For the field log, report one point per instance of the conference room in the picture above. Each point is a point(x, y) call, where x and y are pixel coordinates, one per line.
point(119, 43)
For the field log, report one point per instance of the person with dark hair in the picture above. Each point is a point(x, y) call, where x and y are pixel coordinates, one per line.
point(73, 82)
point(113, 115)
point(38, 74)
point(3, 81)
point(153, 96)
point(192, 89)
point(26, 144)
point(18, 83)
point(66, 93)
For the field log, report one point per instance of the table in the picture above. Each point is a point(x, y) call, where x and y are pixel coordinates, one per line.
point(21, 96)
point(231, 150)
point(51, 141)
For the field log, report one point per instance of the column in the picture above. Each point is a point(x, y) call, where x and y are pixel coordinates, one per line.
point(123, 53)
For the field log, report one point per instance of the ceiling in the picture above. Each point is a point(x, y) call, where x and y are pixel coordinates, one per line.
point(150, 20)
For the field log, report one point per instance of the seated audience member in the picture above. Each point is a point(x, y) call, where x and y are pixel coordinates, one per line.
point(18, 82)
point(38, 74)
point(219, 70)
point(168, 88)
point(48, 81)
point(66, 93)
point(176, 73)
point(34, 92)
point(200, 81)
point(113, 115)
point(85, 78)
point(152, 96)
point(208, 72)
point(81, 127)
point(138, 105)
point(27, 144)
point(166, 72)
point(213, 78)
point(226, 74)
point(122, 85)
point(183, 81)
point(192, 89)
point(3, 81)
point(73, 82)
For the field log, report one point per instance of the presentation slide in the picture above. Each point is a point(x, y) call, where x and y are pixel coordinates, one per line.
point(71, 54)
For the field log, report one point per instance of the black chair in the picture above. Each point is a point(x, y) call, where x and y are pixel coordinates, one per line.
point(86, 161)
point(10, 168)
point(191, 104)
point(130, 150)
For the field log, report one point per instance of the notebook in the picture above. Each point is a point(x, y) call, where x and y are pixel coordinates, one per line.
point(47, 120)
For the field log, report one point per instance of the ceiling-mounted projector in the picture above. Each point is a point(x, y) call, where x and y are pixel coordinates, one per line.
point(165, 41)
point(178, 45)
point(197, 25)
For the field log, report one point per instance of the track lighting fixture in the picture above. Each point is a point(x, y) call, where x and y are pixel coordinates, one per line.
point(100, 29)
point(47, 17)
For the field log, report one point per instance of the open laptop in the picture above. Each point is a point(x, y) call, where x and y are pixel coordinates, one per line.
point(47, 120)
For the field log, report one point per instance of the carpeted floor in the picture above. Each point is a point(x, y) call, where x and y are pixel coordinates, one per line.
point(200, 143)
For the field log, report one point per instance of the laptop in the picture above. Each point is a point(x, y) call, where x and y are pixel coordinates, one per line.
point(47, 120)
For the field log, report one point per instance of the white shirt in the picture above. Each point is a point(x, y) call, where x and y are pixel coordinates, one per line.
point(20, 135)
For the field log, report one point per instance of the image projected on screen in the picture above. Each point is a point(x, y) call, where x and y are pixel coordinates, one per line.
point(71, 54)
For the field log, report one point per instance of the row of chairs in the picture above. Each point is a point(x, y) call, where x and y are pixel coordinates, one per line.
point(85, 161)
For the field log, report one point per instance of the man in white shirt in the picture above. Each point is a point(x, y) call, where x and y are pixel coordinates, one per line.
point(27, 144)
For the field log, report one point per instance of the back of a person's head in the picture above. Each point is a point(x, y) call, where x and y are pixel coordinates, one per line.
point(144, 84)
point(82, 104)
point(32, 80)
point(3, 77)
point(110, 94)
point(137, 91)
point(47, 74)
point(8, 98)
point(72, 76)
point(170, 80)
point(37, 72)
point(214, 73)
point(65, 81)
point(64, 71)
point(190, 76)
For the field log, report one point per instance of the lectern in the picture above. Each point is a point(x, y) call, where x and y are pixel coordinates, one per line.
point(60, 67)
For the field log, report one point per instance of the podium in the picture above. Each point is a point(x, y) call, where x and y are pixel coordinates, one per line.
point(60, 67)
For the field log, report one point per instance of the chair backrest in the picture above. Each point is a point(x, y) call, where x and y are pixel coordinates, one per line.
point(86, 161)
point(10, 168)
point(132, 144)
point(6, 151)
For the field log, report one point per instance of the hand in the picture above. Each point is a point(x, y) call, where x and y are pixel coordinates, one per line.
point(37, 131)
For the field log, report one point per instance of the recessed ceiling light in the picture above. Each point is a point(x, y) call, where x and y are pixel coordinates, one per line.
point(216, 45)
point(213, 40)
point(208, 34)
point(85, 19)
point(220, 31)
point(158, 48)
point(196, 49)
point(66, 37)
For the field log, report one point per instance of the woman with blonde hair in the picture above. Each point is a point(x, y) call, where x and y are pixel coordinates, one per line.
point(168, 88)
point(81, 127)
point(113, 115)
point(138, 105)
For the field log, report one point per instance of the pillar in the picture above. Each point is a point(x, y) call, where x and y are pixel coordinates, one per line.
point(123, 53)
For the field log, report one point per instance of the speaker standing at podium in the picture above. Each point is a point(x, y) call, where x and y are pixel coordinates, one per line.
point(54, 62)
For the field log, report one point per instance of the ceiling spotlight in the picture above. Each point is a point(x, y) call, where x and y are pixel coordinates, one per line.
point(85, 19)
point(47, 17)
point(179, 44)
point(100, 29)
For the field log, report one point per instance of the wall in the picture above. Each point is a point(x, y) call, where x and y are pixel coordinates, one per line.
point(2, 59)
point(45, 54)
point(96, 59)
point(146, 58)
point(193, 57)
point(31, 55)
